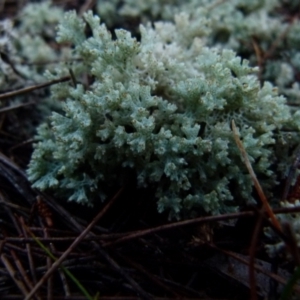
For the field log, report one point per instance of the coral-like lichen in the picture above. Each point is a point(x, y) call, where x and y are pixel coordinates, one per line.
point(161, 106)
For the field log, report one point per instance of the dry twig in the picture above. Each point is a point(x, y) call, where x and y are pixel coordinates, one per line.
point(57, 263)
point(32, 88)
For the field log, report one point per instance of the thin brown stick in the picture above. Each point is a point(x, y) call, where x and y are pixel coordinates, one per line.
point(14, 206)
point(22, 271)
point(52, 230)
point(24, 143)
point(21, 240)
point(62, 275)
point(215, 4)
point(278, 41)
point(258, 52)
point(2, 243)
point(13, 107)
point(49, 281)
point(14, 275)
point(15, 297)
point(123, 273)
point(140, 233)
point(291, 175)
point(149, 276)
point(29, 254)
point(49, 62)
point(32, 88)
point(5, 57)
point(72, 223)
point(252, 280)
point(48, 264)
point(184, 289)
point(259, 57)
point(291, 241)
point(258, 268)
point(86, 6)
point(8, 162)
point(6, 134)
point(38, 252)
point(58, 262)
point(257, 185)
point(21, 186)
point(11, 214)
point(136, 234)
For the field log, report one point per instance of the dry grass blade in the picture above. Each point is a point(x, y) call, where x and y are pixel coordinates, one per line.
point(29, 253)
point(257, 185)
point(32, 88)
point(252, 279)
point(17, 106)
point(150, 276)
point(259, 269)
point(8, 162)
point(291, 176)
point(88, 4)
point(266, 207)
point(140, 233)
point(79, 228)
point(14, 275)
point(58, 262)
point(22, 271)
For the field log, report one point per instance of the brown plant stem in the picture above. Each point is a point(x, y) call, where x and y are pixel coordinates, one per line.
point(32, 88)
point(57, 263)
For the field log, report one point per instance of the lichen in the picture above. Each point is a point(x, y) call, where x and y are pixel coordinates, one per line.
point(160, 107)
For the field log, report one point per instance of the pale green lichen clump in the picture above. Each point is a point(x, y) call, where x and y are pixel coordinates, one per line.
point(27, 49)
point(26, 45)
point(259, 30)
point(162, 107)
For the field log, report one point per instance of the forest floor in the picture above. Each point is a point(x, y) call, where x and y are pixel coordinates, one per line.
point(124, 249)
